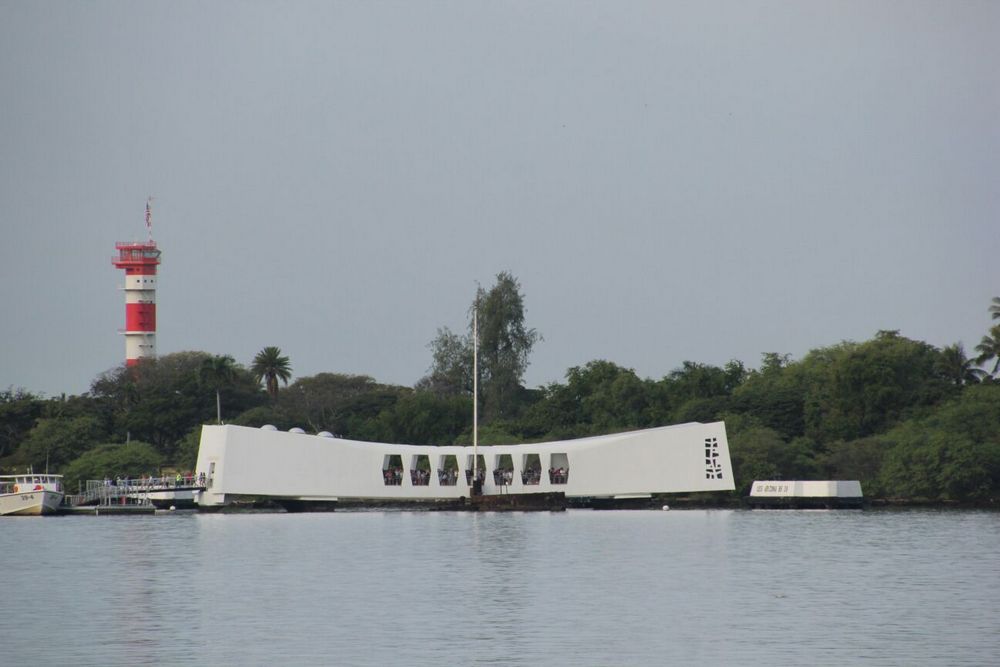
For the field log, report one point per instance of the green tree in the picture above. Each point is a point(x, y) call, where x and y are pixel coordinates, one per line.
point(333, 402)
point(265, 414)
point(54, 442)
point(702, 410)
point(860, 459)
point(958, 369)
point(159, 400)
point(735, 373)
point(450, 373)
point(505, 344)
point(186, 456)
point(598, 397)
point(494, 433)
point(270, 366)
point(868, 388)
point(774, 394)
point(700, 392)
point(694, 380)
point(110, 461)
point(760, 453)
point(420, 418)
point(989, 350)
point(773, 362)
point(19, 409)
point(953, 453)
point(357, 416)
point(217, 373)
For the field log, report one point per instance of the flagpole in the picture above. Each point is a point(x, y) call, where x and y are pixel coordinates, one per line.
point(475, 394)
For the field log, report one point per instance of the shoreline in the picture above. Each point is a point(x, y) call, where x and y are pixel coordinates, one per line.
point(656, 502)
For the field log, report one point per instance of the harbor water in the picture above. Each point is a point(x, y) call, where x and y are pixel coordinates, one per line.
point(582, 587)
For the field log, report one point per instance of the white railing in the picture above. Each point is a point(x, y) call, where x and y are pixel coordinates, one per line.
point(125, 490)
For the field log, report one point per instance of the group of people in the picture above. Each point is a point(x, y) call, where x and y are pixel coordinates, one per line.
point(420, 477)
point(393, 476)
point(503, 476)
point(480, 475)
point(148, 481)
point(532, 476)
point(448, 476)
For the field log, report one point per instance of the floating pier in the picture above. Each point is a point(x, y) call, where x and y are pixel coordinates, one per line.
point(107, 510)
point(150, 492)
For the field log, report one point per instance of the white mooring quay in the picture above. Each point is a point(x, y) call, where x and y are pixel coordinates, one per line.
point(806, 494)
point(293, 466)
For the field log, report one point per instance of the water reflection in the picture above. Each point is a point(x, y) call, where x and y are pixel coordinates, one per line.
point(572, 588)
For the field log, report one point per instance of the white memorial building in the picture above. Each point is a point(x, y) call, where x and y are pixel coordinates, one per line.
point(236, 461)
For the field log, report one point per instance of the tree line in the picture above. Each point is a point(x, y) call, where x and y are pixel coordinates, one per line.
point(908, 419)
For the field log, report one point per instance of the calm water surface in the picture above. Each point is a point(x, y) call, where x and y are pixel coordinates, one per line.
point(582, 587)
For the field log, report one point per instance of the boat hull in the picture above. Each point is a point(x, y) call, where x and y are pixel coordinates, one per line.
point(30, 503)
point(182, 498)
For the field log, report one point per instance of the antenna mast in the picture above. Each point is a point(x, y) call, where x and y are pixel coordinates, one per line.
point(149, 217)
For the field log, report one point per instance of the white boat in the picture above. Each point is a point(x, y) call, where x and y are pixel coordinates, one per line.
point(30, 494)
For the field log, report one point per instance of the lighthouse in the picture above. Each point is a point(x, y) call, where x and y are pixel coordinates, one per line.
point(139, 260)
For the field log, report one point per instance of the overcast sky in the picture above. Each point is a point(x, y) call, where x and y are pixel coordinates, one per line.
point(669, 181)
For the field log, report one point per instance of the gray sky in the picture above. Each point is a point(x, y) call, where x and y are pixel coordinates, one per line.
point(667, 180)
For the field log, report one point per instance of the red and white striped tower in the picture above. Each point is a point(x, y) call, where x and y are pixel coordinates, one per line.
point(139, 261)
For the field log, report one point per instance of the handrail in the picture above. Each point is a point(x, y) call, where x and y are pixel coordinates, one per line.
point(108, 491)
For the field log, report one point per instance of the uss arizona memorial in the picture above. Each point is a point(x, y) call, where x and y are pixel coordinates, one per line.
point(293, 466)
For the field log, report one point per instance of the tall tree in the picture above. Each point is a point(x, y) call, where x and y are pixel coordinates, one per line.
point(599, 397)
point(54, 442)
point(995, 308)
point(19, 409)
point(161, 399)
point(871, 386)
point(216, 373)
point(504, 345)
point(989, 349)
point(701, 381)
point(270, 366)
point(333, 402)
point(450, 373)
point(957, 368)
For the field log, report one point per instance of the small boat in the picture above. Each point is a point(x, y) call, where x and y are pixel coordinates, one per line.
point(30, 494)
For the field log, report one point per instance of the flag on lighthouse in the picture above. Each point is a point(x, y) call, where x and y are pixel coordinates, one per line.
point(149, 215)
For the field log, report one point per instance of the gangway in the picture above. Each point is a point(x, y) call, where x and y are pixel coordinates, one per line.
point(159, 491)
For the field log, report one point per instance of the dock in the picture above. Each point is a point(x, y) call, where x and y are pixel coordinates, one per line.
point(134, 496)
point(107, 510)
point(810, 494)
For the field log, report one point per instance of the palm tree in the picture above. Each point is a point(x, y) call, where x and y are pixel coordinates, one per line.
point(216, 373)
point(269, 365)
point(989, 348)
point(995, 308)
point(956, 367)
